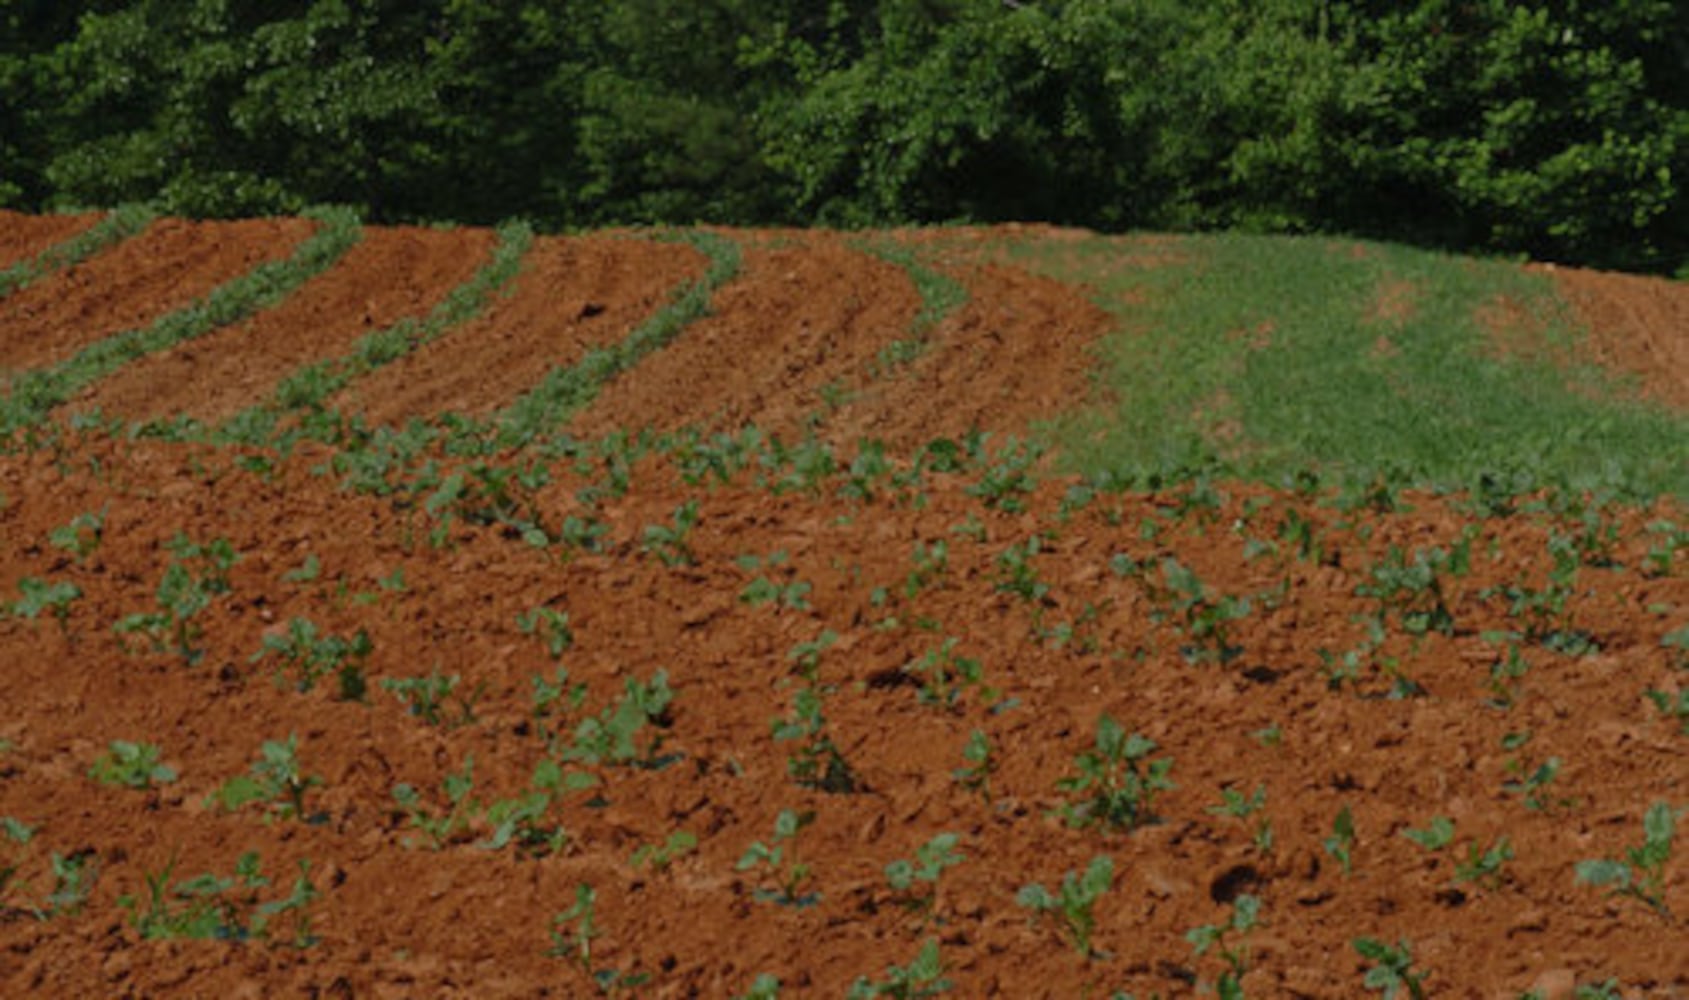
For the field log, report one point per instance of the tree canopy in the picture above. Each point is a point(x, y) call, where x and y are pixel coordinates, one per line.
point(1555, 128)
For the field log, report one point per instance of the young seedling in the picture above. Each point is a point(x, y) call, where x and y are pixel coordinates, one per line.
point(1245, 916)
point(763, 590)
point(40, 595)
point(764, 987)
point(807, 655)
point(1016, 575)
point(447, 827)
point(610, 738)
point(817, 762)
point(1677, 708)
point(669, 542)
point(553, 625)
point(274, 779)
point(1075, 905)
point(307, 655)
point(1117, 780)
point(208, 907)
point(923, 977)
point(1641, 875)
point(426, 697)
point(82, 536)
point(931, 859)
point(780, 859)
point(1483, 867)
point(549, 697)
point(944, 674)
point(1438, 834)
point(976, 776)
point(182, 595)
point(132, 765)
point(1393, 970)
point(660, 856)
point(1235, 804)
point(1413, 591)
point(1532, 789)
point(1341, 843)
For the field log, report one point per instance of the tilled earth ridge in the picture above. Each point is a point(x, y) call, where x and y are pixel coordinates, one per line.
point(162, 269)
point(572, 294)
point(1088, 623)
point(22, 236)
point(1638, 326)
point(392, 273)
point(784, 344)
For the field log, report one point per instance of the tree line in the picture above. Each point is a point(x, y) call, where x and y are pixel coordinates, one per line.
point(1555, 128)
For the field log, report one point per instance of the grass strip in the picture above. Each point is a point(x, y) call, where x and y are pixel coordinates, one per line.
point(940, 294)
point(567, 389)
point(311, 386)
point(1271, 357)
point(33, 394)
point(118, 225)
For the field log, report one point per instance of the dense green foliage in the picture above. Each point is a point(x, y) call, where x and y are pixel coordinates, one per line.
point(1555, 128)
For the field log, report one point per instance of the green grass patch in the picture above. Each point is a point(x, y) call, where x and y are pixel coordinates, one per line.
point(568, 389)
point(1269, 357)
point(34, 393)
point(118, 225)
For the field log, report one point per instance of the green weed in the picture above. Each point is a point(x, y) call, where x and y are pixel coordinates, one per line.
point(1641, 875)
point(1117, 780)
point(1393, 969)
point(817, 762)
point(931, 859)
point(132, 765)
point(1075, 904)
point(779, 858)
point(1245, 916)
point(308, 656)
point(274, 779)
point(922, 977)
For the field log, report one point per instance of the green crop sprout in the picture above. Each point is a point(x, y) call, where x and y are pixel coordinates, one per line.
point(976, 776)
point(944, 674)
point(1393, 970)
point(1641, 875)
point(923, 977)
point(82, 536)
point(610, 737)
point(779, 857)
point(1483, 867)
point(678, 844)
point(1245, 917)
point(132, 765)
point(443, 828)
point(817, 762)
point(308, 656)
point(1204, 617)
point(274, 779)
point(669, 542)
point(426, 697)
point(40, 595)
point(1341, 843)
point(931, 859)
point(1117, 780)
point(209, 907)
point(1438, 834)
point(1075, 904)
point(553, 624)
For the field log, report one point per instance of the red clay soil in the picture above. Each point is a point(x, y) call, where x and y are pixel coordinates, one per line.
point(1638, 326)
point(573, 294)
point(391, 274)
point(24, 236)
point(803, 321)
point(1017, 353)
point(164, 268)
point(397, 915)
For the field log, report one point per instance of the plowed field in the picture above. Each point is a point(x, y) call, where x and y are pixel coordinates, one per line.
point(393, 713)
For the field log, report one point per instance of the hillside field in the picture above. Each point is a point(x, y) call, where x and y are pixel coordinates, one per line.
point(1006, 611)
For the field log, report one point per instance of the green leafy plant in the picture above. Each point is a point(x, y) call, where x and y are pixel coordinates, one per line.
point(779, 858)
point(764, 987)
point(1239, 806)
point(132, 765)
point(1483, 867)
point(931, 859)
point(669, 542)
point(1075, 903)
point(1341, 843)
point(274, 779)
point(1015, 572)
point(1641, 875)
point(817, 762)
point(807, 655)
point(450, 825)
point(1438, 834)
point(611, 737)
point(82, 536)
point(1392, 971)
point(676, 845)
point(1204, 617)
point(1245, 916)
point(553, 624)
point(1673, 708)
point(1117, 780)
point(40, 595)
point(945, 674)
point(923, 977)
point(209, 907)
point(426, 697)
point(1413, 591)
point(1532, 788)
point(308, 655)
point(182, 594)
point(763, 590)
point(975, 776)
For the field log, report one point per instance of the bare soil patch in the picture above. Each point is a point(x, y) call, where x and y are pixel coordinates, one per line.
point(1638, 326)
